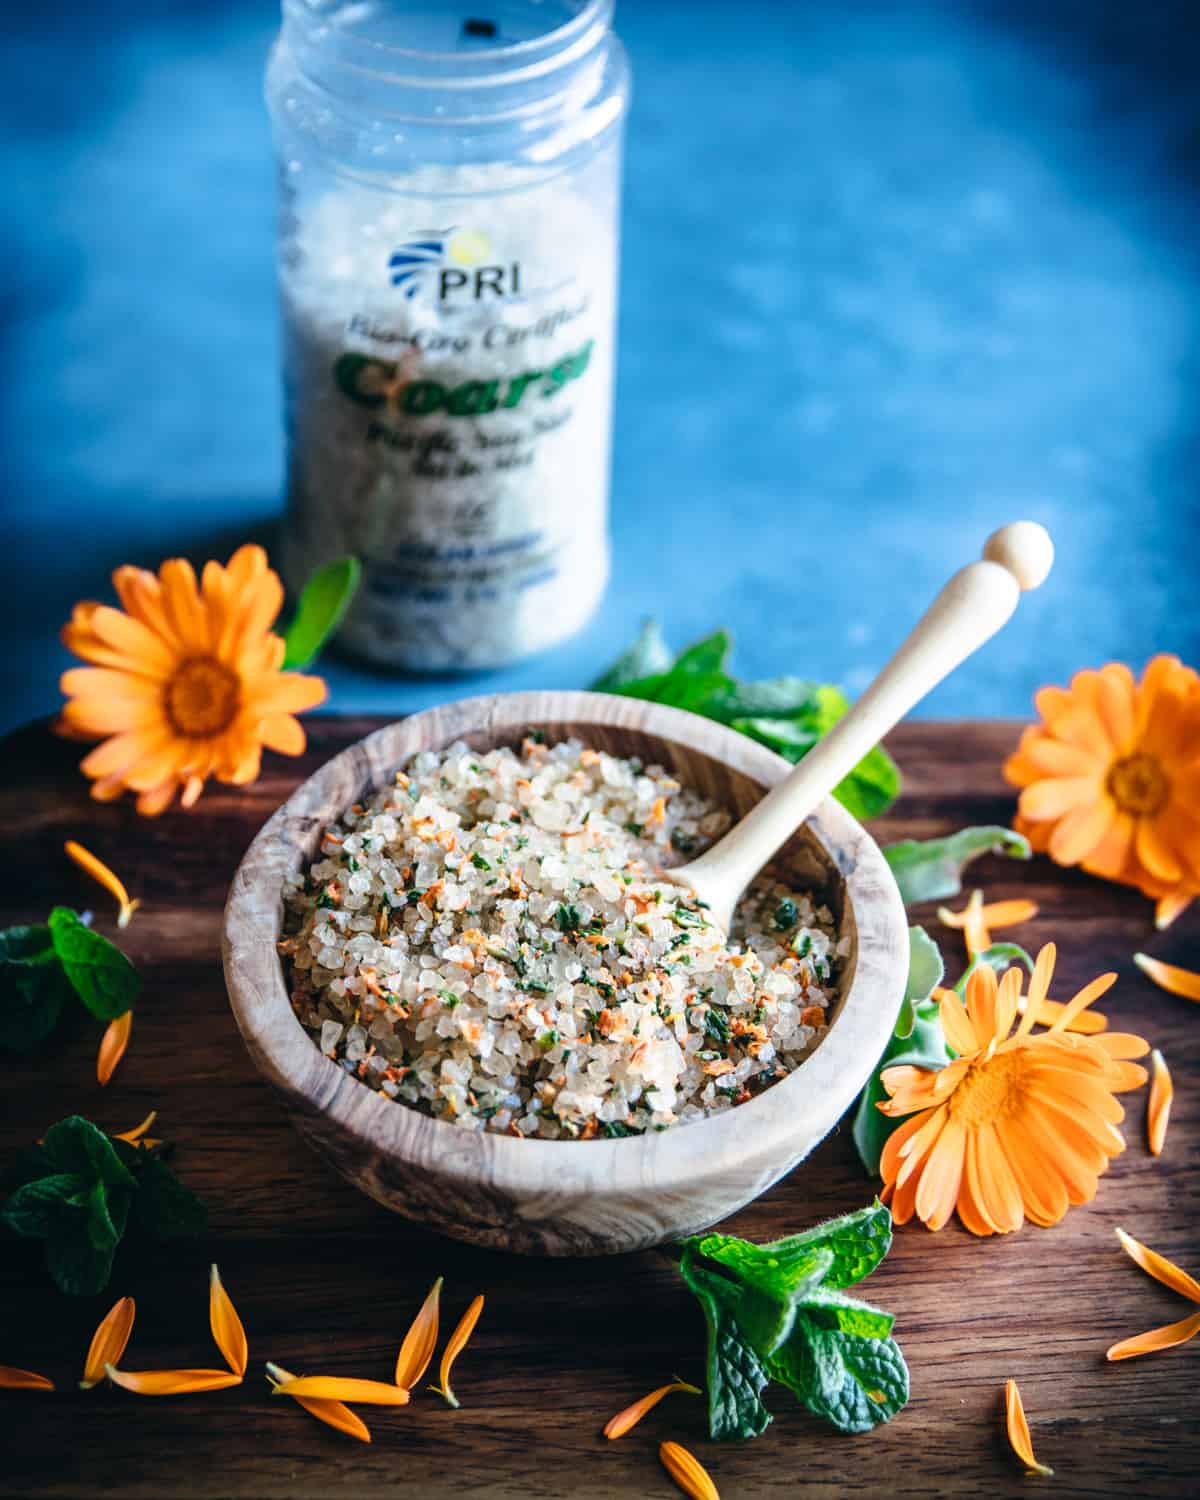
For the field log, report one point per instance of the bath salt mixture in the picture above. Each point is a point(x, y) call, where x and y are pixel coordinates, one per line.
point(448, 354)
point(487, 941)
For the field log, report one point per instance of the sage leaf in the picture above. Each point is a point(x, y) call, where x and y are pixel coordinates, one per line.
point(735, 1375)
point(98, 971)
point(324, 601)
point(931, 869)
point(925, 972)
point(647, 657)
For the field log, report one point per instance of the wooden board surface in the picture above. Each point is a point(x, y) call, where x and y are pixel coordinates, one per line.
point(326, 1281)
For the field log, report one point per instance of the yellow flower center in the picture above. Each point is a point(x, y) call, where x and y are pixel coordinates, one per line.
point(1137, 784)
point(989, 1091)
point(202, 697)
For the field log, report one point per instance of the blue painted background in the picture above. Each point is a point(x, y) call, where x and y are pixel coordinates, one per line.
point(892, 276)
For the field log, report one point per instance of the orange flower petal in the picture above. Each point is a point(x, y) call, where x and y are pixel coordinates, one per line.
point(1162, 1091)
point(1171, 907)
point(333, 1388)
point(619, 1425)
point(688, 1472)
point(1078, 833)
point(108, 1342)
point(457, 1343)
point(1075, 1007)
point(138, 1133)
point(1168, 977)
point(332, 1413)
point(100, 873)
point(12, 1379)
point(1018, 1430)
point(1159, 1267)
point(171, 1382)
point(420, 1341)
point(282, 733)
point(960, 1033)
point(1156, 1339)
point(1086, 1023)
point(112, 1046)
point(227, 1330)
point(1056, 797)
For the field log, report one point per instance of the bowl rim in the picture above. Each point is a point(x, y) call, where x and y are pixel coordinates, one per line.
point(781, 1122)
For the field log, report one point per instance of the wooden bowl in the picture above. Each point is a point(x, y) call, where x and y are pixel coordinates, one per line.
point(569, 1197)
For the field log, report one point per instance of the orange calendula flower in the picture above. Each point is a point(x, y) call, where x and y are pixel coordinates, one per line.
point(420, 1341)
point(1169, 977)
point(184, 680)
point(227, 1330)
point(333, 1388)
point(1018, 1430)
point(108, 1342)
point(1162, 1091)
point(12, 1379)
point(332, 1413)
point(457, 1343)
point(1021, 1124)
point(1110, 779)
point(619, 1425)
point(688, 1472)
point(1170, 1275)
point(111, 882)
point(113, 1045)
point(171, 1382)
point(977, 919)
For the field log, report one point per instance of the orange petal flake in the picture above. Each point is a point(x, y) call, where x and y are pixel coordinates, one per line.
point(332, 1413)
point(171, 1382)
point(108, 1342)
point(1157, 1338)
point(688, 1472)
point(619, 1425)
point(112, 1047)
point(1087, 1022)
point(102, 875)
point(1168, 908)
point(1018, 1430)
point(227, 1328)
point(1162, 1091)
point(455, 1346)
point(12, 1379)
point(1169, 977)
point(1159, 1267)
point(137, 1136)
point(420, 1341)
point(333, 1388)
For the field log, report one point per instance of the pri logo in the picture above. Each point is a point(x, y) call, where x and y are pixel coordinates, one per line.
point(453, 265)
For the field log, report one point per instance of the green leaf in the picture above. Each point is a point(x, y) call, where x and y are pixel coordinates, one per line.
point(925, 972)
point(324, 601)
point(76, 1145)
point(34, 1208)
point(33, 987)
point(99, 972)
point(770, 698)
point(857, 1243)
point(1000, 956)
point(75, 1263)
point(854, 1383)
point(649, 656)
point(832, 1309)
point(735, 1375)
point(164, 1208)
point(924, 1047)
point(782, 1270)
point(931, 869)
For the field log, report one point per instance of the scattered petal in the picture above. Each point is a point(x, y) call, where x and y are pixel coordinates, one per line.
point(171, 1382)
point(113, 1045)
point(1087, 1022)
point(688, 1472)
point(137, 1136)
point(100, 873)
point(333, 1388)
point(332, 1413)
point(1018, 1430)
point(1159, 1267)
point(619, 1425)
point(1162, 1091)
point(1157, 1338)
point(12, 1379)
point(420, 1341)
point(456, 1345)
point(1176, 981)
point(108, 1342)
point(227, 1328)
point(1170, 907)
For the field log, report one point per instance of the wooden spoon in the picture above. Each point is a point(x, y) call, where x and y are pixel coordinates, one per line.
point(970, 609)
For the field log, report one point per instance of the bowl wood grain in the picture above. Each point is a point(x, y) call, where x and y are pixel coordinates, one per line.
point(559, 1197)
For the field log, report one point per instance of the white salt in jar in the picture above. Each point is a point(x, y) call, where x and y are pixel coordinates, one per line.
point(449, 180)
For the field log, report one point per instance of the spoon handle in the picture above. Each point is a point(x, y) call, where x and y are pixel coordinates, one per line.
point(970, 609)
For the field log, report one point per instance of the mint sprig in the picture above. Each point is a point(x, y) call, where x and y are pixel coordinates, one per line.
point(779, 1312)
point(43, 966)
point(80, 1190)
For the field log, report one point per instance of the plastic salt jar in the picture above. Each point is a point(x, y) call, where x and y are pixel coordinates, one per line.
point(449, 178)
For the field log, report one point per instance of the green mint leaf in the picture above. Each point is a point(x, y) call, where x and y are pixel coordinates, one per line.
point(163, 1207)
point(324, 601)
point(33, 987)
point(735, 1375)
point(873, 785)
point(770, 698)
point(76, 1145)
point(833, 1309)
point(931, 869)
point(77, 1266)
point(783, 1270)
point(102, 1221)
point(854, 1383)
point(99, 972)
point(704, 657)
point(925, 972)
point(649, 656)
point(34, 1209)
point(857, 1242)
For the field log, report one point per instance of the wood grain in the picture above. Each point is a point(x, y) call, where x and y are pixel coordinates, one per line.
point(327, 1281)
point(554, 1197)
